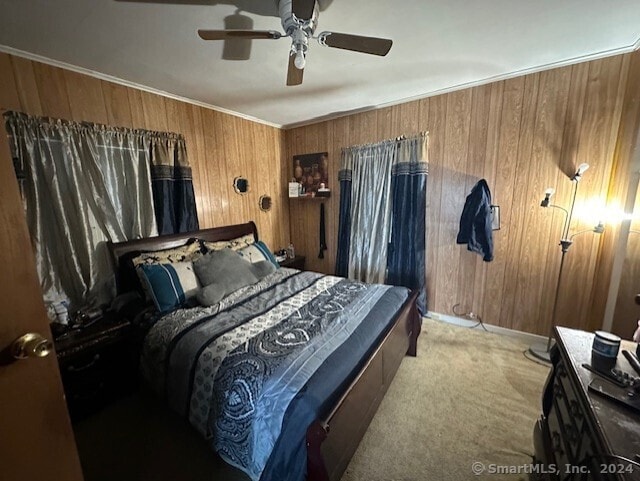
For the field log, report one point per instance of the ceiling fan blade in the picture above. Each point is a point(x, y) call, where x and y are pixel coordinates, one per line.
point(356, 43)
point(294, 74)
point(324, 4)
point(231, 34)
point(303, 9)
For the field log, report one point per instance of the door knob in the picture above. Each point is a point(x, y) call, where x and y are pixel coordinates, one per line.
point(31, 344)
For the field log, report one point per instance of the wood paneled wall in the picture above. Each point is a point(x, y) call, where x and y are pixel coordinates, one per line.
point(627, 312)
point(522, 135)
point(220, 146)
point(615, 270)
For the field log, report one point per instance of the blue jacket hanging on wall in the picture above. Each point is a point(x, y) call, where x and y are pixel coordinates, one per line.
point(475, 222)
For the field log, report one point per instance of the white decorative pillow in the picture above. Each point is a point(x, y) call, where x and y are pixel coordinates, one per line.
point(187, 252)
point(258, 252)
point(170, 285)
point(233, 244)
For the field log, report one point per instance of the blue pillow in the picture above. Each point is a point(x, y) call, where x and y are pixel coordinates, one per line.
point(170, 285)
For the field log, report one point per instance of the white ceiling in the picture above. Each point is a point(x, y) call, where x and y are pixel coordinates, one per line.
point(438, 45)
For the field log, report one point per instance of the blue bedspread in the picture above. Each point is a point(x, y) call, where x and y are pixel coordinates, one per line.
point(253, 372)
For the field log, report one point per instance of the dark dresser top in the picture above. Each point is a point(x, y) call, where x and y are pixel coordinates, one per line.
point(619, 427)
point(109, 328)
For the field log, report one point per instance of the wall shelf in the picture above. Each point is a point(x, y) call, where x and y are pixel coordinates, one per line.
point(310, 198)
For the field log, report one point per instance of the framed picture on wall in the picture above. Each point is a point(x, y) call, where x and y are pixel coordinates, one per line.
point(311, 170)
point(495, 217)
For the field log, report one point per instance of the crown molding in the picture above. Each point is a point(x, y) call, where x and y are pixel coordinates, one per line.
point(110, 78)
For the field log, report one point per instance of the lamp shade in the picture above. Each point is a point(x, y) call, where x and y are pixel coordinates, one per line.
point(582, 168)
point(547, 196)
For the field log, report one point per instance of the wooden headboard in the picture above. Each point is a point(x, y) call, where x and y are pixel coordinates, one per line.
point(228, 232)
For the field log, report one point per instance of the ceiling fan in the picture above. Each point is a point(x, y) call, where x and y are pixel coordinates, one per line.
point(299, 21)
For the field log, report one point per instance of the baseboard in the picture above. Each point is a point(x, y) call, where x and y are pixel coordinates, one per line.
point(459, 321)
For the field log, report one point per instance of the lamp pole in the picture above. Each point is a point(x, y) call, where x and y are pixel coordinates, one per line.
point(540, 351)
point(545, 355)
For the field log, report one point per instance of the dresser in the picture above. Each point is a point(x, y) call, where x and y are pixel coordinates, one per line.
point(580, 432)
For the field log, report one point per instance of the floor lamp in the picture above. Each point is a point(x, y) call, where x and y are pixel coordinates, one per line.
point(541, 351)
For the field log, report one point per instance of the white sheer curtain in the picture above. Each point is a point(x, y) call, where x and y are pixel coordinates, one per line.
point(83, 185)
point(371, 167)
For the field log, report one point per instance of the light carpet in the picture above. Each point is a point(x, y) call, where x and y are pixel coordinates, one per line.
point(468, 397)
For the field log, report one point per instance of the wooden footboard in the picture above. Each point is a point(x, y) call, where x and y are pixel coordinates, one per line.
point(332, 441)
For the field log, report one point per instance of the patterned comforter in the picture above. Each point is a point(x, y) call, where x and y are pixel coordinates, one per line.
point(252, 372)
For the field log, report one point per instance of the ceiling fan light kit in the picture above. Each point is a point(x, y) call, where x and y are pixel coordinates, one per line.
point(299, 21)
point(299, 47)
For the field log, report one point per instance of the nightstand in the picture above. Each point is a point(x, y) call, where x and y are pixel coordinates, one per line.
point(296, 263)
point(98, 363)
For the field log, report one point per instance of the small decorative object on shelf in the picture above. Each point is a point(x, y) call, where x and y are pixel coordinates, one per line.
point(323, 191)
point(291, 252)
point(294, 188)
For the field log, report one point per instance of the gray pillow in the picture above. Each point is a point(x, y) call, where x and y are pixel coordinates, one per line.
point(263, 268)
point(221, 273)
point(210, 295)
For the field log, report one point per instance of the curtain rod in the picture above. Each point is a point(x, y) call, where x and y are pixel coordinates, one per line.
point(401, 138)
point(58, 141)
point(424, 133)
point(15, 114)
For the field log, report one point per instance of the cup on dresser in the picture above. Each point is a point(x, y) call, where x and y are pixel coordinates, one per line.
point(604, 351)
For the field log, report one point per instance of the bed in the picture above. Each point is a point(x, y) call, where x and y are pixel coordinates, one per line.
point(300, 360)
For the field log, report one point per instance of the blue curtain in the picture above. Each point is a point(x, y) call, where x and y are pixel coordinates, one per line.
point(406, 257)
point(344, 223)
point(172, 183)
